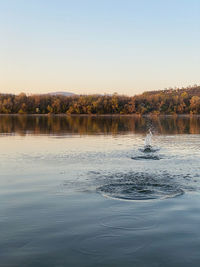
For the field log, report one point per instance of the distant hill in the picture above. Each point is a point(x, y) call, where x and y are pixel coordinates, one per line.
point(62, 93)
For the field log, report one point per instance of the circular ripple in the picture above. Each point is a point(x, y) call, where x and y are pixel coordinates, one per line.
point(150, 157)
point(107, 245)
point(130, 222)
point(129, 191)
point(149, 149)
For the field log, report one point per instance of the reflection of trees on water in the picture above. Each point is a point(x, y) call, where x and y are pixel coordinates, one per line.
point(98, 124)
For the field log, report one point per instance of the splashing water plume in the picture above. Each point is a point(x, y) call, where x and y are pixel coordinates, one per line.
point(148, 139)
point(147, 142)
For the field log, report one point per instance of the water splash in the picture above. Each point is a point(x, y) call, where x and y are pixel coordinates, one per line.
point(148, 151)
point(147, 142)
point(148, 138)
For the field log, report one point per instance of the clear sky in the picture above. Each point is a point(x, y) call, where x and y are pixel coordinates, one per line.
point(98, 46)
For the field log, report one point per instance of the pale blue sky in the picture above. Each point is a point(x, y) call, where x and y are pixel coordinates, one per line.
point(97, 46)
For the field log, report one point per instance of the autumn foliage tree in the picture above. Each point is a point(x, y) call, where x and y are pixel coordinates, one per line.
point(170, 101)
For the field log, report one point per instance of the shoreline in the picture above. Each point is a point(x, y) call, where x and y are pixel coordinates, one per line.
point(100, 115)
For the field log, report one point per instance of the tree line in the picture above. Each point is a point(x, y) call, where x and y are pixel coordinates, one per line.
point(170, 101)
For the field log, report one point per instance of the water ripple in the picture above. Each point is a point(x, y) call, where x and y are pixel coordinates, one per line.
point(130, 222)
point(133, 191)
point(141, 186)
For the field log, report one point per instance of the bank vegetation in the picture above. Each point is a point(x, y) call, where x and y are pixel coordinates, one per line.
point(169, 101)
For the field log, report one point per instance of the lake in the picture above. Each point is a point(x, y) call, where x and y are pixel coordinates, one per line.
point(83, 191)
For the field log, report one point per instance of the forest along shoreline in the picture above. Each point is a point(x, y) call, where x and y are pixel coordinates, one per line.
point(164, 102)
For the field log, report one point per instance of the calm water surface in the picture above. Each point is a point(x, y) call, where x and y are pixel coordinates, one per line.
point(81, 191)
